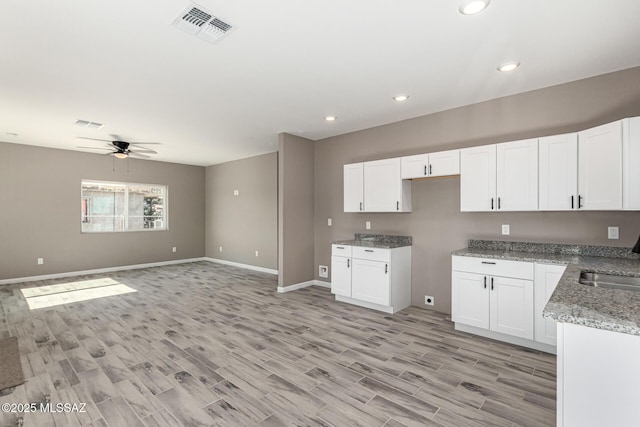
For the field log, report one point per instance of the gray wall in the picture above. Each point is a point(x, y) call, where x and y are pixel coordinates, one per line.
point(295, 210)
point(248, 222)
point(436, 223)
point(40, 212)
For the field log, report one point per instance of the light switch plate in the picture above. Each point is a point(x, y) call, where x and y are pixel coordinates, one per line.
point(367, 225)
point(613, 232)
point(506, 229)
point(329, 222)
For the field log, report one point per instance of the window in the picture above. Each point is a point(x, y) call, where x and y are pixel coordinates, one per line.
point(116, 206)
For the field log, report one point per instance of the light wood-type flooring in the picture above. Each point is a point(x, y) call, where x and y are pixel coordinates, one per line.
point(203, 344)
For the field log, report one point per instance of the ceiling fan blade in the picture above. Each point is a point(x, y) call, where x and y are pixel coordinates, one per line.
point(95, 148)
point(143, 150)
point(94, 139)
point(145, 143)
point(138, 155)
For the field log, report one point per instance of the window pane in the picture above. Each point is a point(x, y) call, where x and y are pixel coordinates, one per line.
point(146, 206)
point(102, 207)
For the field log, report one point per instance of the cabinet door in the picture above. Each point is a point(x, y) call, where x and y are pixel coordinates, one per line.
point(547, 278)
point(444, 163)
point(478, 178)
point(511, 306)
point(382, 185)
point(470, 299)
point(600, 167)
point(415, 166)
point(517, 175)
point(354, 187)
point(341, 276)
point(370, 281)
point(558, 172)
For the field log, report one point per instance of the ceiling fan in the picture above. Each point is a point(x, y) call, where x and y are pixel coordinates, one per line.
point(122, 149)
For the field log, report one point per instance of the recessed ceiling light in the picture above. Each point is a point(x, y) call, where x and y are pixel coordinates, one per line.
point(401, 98)
point(471, 7)
point(508, 66)
point(330, 118)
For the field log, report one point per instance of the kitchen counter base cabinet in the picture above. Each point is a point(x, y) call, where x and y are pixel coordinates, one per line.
point(495, 298)
point(379, 279)
point(598, 377)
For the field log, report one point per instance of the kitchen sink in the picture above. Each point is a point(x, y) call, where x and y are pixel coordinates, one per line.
point(610, 281)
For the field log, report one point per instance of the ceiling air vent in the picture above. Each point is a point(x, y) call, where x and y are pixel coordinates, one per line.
point(201, 23)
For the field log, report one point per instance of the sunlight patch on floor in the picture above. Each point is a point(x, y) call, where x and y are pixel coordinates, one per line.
point(67, 293)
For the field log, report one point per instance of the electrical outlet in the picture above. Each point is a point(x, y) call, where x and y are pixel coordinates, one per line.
point(40, 261)
point(367, 225)
point(613, 232)
point(257, 253)
point(174, 249)
point(329, 222)
point(506, 229)
point(236, 192)
point(429, 300)
point(323, 271)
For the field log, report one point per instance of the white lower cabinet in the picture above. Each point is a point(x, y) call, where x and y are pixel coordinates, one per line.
point(497, 298)
point(499, 304)
point(547, 277)
point(376, 278)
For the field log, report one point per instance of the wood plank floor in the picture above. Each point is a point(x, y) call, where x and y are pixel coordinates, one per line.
point(204, 344)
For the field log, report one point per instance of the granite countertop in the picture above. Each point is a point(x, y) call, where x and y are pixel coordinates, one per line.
point(382, 241)
point(608, 309)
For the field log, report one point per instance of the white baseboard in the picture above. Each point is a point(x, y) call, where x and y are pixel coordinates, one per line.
point(247, 266)
point(283, 289)
point(97, 271)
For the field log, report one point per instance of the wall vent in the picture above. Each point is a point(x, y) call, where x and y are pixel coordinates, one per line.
point(201, 23)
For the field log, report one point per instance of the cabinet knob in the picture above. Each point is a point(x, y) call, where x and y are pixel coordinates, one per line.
point(498, 202)
point(571, 202)
point(397, 206)
point(429, 169)
point(492, 203)
point(492, 283)
point(425, 169)
point(485, 282)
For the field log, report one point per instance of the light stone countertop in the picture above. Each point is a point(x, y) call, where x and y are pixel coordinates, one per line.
point(381, 241)
point(608, 309)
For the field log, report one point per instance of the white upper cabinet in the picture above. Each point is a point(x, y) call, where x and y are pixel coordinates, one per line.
point(558, 172)
point(600, 167)
point(442, 163)
point(478, 178)
point(354, 187)
point(384, 189)
point(517, 175)
point(631, 160)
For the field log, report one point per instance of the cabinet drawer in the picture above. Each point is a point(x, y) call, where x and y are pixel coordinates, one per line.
point(373, 254)
point(493, 267)
point(341, 250)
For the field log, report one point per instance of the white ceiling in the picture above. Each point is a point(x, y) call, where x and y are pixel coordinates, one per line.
point(285, 65)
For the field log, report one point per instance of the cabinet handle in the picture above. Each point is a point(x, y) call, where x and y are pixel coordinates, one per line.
point(571, 202)
point(360, 205)
point(425, 169)
point(429, 170)
point(485, 282)
point(368, 250)
point(489, 262)
point(397, 206)
point(339, 247)
point(386, 268)
point(348, 263)
point(492, 283)
point(492, 203)
point(498, 202)
point(579, 201)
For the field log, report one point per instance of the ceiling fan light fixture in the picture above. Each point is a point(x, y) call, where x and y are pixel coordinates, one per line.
point(120, 155)
point(472, 7)
point(508, 66)
point(400, 98)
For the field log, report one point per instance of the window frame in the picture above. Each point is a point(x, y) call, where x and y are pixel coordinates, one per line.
point(165, 206)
